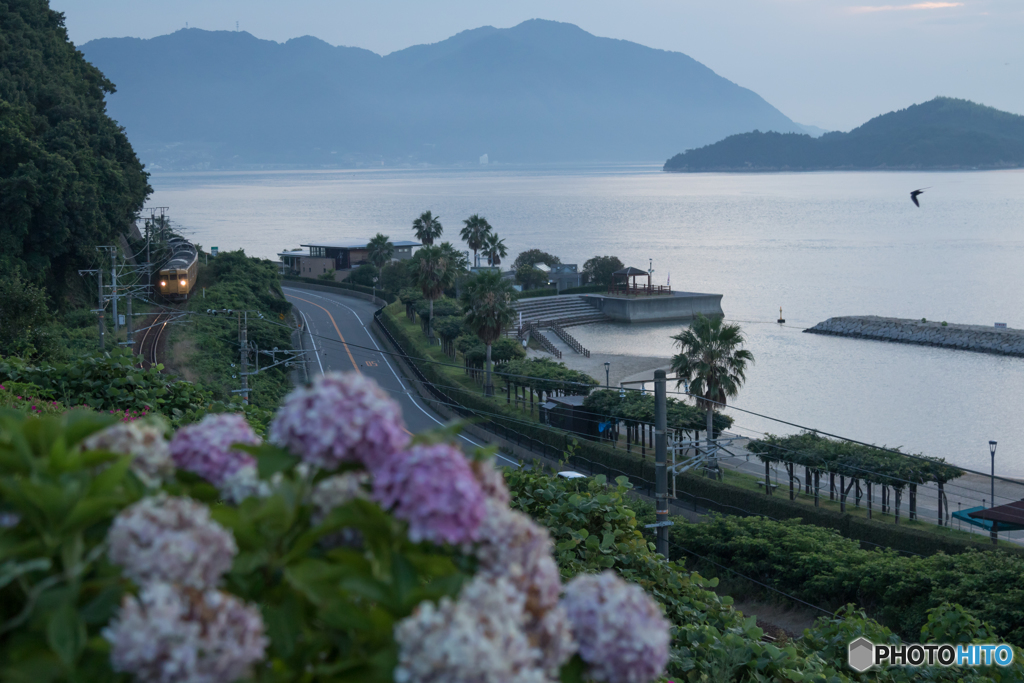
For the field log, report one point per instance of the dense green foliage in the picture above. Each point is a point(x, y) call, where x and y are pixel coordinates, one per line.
point(329, 613)
point(68, 177)
point(546, 376)
point(530, 276)
point(812, 450)
point(594, 528)
point(634, 407)
point(112, 381)
point(238, 283)
point(940, 134)
point(822, 567)
point(364, 275)
point(599, 269)
point(727, 498)
point(26, 326)
point(532, 257)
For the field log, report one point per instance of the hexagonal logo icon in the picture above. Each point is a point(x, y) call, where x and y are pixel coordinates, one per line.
point(861, 654)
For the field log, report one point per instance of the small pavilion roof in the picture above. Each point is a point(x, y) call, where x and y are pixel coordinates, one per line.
point(630, 272)
point(1006, 515)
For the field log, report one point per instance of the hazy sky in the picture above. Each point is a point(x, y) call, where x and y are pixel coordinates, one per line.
point(830, 63)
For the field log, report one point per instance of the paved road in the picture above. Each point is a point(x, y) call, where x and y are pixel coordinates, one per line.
point(337, 329)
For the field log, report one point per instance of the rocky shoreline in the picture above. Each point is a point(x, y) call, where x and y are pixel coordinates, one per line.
point(979, 338)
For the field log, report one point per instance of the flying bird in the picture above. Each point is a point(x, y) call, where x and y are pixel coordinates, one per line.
point(913, 195)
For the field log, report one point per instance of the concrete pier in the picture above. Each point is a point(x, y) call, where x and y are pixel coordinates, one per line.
point(981, 338)
point(674, 306)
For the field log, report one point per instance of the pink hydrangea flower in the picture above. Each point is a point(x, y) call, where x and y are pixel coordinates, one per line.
point(205, 448)
point(434, 490)
point(342, 417)
point(171, 634)
point(622, 634)
point(492, 480)
point(161, 538)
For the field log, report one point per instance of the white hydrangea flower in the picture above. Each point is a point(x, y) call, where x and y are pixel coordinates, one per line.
point(335, 491)
point(519, 550)
point(162, 538)
point(144, 441)
point(475, 639)
point(244, 483)
point(171, 634)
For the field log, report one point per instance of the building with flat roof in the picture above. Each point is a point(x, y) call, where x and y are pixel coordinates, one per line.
point(317, 258)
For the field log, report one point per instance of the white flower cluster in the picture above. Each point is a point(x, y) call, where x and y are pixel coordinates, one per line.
point(475, 639)
point(180, 628)
point(244, 483)
point(507, 624)
point(144, 441)
point(171, 634)
point(170, 539)
point(335, 491)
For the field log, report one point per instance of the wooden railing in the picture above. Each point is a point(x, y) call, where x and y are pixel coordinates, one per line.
point(545, 343)
point(638, 290)
point(569, 339)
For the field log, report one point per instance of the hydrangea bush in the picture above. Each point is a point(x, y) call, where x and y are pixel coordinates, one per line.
point(340, 549)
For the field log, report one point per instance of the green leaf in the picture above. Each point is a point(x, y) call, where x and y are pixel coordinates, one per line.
point(100, 609)
point(573, 670)
point(270, 459)
point(65, 634)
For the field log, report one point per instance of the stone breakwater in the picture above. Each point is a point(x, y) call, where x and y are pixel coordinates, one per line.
point(1005, 341)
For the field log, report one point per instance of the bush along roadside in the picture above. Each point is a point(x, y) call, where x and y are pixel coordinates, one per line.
point(822, 567)
point(595, 528)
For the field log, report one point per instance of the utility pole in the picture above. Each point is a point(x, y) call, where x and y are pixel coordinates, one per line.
point(113, 286)
point(128, 318)
point(244, 343)
point(661, 461)
point(99, 308)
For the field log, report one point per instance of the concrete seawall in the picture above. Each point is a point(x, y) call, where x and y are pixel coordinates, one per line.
point(980, 338)
point(644, 309)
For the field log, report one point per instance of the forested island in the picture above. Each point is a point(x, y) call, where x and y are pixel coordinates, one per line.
point(942, 134)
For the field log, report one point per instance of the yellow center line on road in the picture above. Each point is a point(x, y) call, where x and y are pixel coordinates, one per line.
point(347, 350)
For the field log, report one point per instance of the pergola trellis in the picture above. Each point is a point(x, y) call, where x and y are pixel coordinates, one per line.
point(624, 282)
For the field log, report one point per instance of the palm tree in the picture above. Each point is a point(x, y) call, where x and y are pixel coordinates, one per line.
point(487, 300)
point(475, 233)
point(427, 228)
point(494, 249)
point(457, 260)
point(380, 250)
point(434, 274)
point(711, 361)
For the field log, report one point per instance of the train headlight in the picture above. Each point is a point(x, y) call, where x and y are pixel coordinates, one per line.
point(163, 283)
point(183, 283)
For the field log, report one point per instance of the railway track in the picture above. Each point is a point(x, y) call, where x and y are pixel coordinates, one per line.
point(149, 346)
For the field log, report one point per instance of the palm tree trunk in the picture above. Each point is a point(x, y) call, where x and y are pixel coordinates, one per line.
point(713, 462)
point(430, 322)
point(488, 387)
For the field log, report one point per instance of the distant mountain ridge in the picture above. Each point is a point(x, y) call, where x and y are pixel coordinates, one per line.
point(539, 92)
point(943, 133)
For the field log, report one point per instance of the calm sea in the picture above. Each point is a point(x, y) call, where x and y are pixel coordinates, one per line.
point(816, 244)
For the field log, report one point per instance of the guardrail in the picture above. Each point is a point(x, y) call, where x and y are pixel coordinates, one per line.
point(569, 339)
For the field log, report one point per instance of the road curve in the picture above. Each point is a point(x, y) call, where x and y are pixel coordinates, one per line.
point(336, 329)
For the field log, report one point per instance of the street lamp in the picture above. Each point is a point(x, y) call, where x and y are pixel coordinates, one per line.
point(992, 450)
point(607, 384)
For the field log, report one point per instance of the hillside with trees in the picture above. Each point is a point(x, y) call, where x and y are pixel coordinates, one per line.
point(943, 133)
point(69, 179)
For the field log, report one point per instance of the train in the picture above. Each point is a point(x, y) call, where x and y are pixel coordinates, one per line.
point(178, 275)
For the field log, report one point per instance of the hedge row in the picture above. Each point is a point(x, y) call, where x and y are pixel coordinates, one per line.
point(821, 566)
point(731, 500)
point(390, 297)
